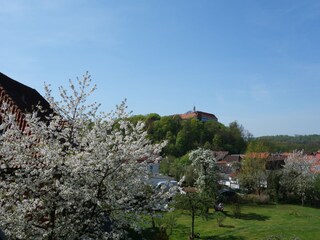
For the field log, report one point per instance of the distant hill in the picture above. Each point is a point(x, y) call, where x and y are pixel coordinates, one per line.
point(285, 143)
point(184, 135)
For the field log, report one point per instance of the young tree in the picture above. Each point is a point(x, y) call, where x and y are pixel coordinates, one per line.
point(296, 174)
point(253, 174)
point(78, 175)
point(199, 198)
point(194, 203)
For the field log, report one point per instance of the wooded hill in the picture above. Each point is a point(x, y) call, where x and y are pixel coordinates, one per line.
point(186, 135)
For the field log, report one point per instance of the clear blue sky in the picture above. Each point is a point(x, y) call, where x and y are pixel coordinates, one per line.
point(255, 62)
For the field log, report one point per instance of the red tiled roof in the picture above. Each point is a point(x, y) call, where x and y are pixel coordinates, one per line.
point(232, 158)
point(263, 155)
point(188, 115)
point(199, 115)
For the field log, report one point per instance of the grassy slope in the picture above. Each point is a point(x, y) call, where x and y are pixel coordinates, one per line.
point(257, 222)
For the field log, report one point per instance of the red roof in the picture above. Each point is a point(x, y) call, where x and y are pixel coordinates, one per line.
point(204, 116)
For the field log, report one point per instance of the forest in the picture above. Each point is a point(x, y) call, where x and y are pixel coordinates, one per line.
point(285, 143)
point(186, 135)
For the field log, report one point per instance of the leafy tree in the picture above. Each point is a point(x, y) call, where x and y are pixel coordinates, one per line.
point(175, 167)
point(179, 166)
point(296, 174)
point(236, 138)
point(137, 118)
point(207, 145)
point(165, 128)
point(183, 143)
point(188, 137)
point(253, 174)
point(274, 186)
point(78, 175)
point(258, 146)
point(150, 119)
point(193, 202)
point(189, 176)
point(316, 189)
point(217, 143)
point(166, 165)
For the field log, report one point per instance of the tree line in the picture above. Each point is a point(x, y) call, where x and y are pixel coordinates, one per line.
point(285, 143)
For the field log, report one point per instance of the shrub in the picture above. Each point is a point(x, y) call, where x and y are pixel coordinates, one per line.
point(166, 223)
point(236, 210)
point(161, 235)
point(220, 216)
point(253, 198)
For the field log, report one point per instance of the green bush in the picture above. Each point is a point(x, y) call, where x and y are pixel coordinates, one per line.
point(161, 235)
point(236, 210)
point(166, 223)
point(254, 198)
point(220, 216)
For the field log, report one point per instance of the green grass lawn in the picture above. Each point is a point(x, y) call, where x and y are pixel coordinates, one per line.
point(256, 222)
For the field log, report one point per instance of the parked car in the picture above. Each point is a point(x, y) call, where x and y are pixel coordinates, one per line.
point(167, 184)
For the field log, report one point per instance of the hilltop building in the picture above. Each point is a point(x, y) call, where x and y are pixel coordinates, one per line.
point(202, 116)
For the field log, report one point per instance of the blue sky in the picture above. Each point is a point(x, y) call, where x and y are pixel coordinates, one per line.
point(254, 62)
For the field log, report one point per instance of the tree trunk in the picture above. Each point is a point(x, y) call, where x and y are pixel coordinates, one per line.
point(52, 218)
point(153, 222)
point(302, 200)
point(192, 224)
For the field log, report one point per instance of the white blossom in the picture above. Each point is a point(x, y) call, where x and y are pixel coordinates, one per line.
point(205, 167)
point(296, 174)
point(79, 175)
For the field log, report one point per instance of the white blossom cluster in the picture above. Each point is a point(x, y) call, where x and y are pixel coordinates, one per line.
point(79, 175)
point(296, 173)
point(205, 167)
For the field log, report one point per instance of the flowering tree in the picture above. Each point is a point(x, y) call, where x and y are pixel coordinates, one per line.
point(297, 176)
point(205, 168)
point(79, 175)
point(198, 199)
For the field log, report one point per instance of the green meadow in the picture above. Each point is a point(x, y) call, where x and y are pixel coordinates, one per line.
point(256, 222)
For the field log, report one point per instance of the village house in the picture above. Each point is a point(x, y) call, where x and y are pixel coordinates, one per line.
point(227, 165)
point(21, 99)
